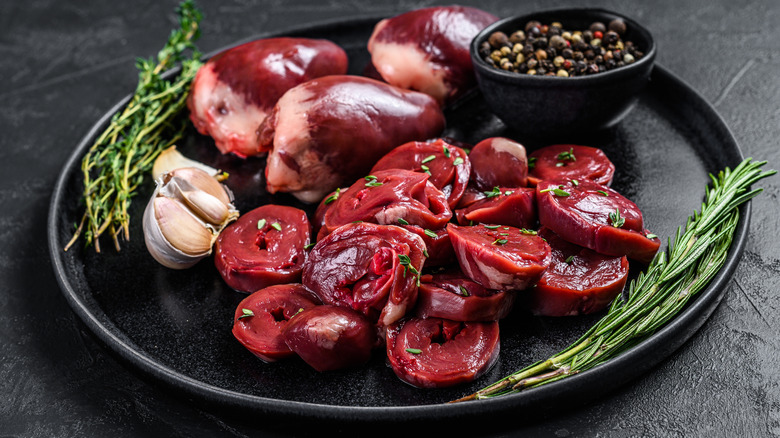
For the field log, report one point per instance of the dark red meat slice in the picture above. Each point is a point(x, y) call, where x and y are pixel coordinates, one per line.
point(569, 161)
point(498, 161)
point(330, 338)
point(502, 205)
point(369, 268)
point(252, 253)
point(428, 49)
point(456, 297)
point(389, 197)
point(585, 214)
point(436, 353)
point(330, 131)
point(437, 244)
point(500, 257)
point(448, 165)
point(261, 316)
point(579, 281)
point(236, 89)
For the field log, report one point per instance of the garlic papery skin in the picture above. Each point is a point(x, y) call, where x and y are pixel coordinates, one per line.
point(171, 159)
point(185, 215)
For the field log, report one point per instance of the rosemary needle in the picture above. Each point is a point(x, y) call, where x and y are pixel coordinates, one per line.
point(116, 164)
point(691, 260)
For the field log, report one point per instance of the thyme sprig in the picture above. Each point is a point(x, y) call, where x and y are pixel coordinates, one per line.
point(692, 259)
point(117, 163)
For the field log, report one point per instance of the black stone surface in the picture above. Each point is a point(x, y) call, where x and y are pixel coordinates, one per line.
point(64, 64)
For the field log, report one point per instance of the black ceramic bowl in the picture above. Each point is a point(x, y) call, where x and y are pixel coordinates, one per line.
point(550, 106)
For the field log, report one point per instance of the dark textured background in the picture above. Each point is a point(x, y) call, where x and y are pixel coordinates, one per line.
point(63, 64)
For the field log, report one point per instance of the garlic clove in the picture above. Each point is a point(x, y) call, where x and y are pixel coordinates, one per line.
point(207, 207)
point(180, 228)
point(192, 178)
point(171, 159)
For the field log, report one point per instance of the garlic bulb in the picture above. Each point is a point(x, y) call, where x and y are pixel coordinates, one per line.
point(171, 159)
point(188, 210)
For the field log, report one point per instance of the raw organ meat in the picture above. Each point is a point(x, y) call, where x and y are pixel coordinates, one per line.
point(448, 165)
point(456, 297)
point(330, 338)
point(586, 214)
point(505, 206)
point(428, 49)
point(569, 161)
point(330, 131)
point(369, 268)
point(498, 161)
point(236, 89)
point(500, 257)
point(579, 281)
point(264, 246)
point(436, 353)
point(260, 318)
point(389, 197)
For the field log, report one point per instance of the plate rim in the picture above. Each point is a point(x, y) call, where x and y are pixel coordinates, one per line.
point(688, 321)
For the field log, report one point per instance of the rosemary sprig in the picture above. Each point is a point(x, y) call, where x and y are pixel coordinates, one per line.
point(116, 164)
point(691, 260)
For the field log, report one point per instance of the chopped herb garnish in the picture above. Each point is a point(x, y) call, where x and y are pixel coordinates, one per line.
point(493, 193)
point(651, 236)
point(446, 151)
point(457, 161)
point(402, 221)
point(560, 164)
point(569, 259)
point(500, 241)
point(406, 262)
point(425, 169)
point(616, 220)
point(567, 156)
point(463, 291)
point(261, 224)
point(413, 350)
point(246, 313)
point(575, 183)
point(527, 231)
point(333, 197)
point(430, 234)
point(276, 226)
point(508, 192)
point(429, 158)
point(491, 227)
point(372, 182)
point(425, 253)
point(300, 309)
point(602, 192)
point(532, 162)
point(556, 191)
point(369, 177)
point(310, 245)
point(503, 234)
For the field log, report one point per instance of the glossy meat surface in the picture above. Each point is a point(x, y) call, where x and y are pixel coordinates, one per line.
point(428, 49)
point(500, 257)
point(389, 197)
point(330, 131)
point(260, 318)
point(504, 206)
point(330, 338)
point(569, 161)
point(437, 353)
point(369, 268)
point(454, 296)
point(448, 165)
point(236, 89)
point(498, 161)
point(579, 281)
point(252, 253)
point(586, 214)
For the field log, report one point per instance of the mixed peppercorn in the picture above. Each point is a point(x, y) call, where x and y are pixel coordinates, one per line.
point(550, 50)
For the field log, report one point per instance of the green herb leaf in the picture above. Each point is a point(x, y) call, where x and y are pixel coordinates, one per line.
point(491, 227)
point(651, 236)
point(457, 161)
point(413, 350)
point(616, 219)
point(429, 158)
point(246, 313)
point(463, 291)
point(276, 226)
point(333, 197)
point(499, 241)
point(556, 191)
point(309, 246)
point(602, 192)
point(261, 224)
point(527, 231)
point(402, 221)
point(567, 156)
point(531, 162)
point(446, 151)
point(493, 193)
point(430, 233)
point(569, 259)
point(575, 183)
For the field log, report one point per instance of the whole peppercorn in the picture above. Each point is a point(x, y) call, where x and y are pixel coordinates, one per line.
point(595, 42)
point(628, 59)
point(576, 38)
point(597, 26)
point(532, 63)
point(562, 74)
point(567, 53)
point(617, 25)
point(495, 55)
point(558, 61)
point(498, 39)
point(540, 43)
point(485, 49)
point(557, 42)
point(520, 58)
point(578, 56)
point(517, 48)
point(517, 37)
point(505, 51)
point(506, 64)
point(528, 49)
point(587, 36)
point(531, 24)
point(611, 37)
point(540, 54)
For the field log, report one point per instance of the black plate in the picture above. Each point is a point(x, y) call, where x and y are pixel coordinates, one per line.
point(175, 325)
